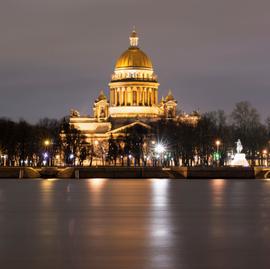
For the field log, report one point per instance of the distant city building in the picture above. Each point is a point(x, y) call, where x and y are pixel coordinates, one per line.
point(133, 100)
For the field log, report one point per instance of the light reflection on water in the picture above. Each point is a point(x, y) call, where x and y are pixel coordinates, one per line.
point(148, 224)
point(218, 186)
point(97, 184)
point(96, 188)
point(160, 229)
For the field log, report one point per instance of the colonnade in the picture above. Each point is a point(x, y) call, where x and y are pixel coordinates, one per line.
point(133, 96)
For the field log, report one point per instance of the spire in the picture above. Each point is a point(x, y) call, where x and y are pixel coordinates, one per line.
point(134, 39)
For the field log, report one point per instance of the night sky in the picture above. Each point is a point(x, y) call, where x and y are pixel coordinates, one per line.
point(57, 54)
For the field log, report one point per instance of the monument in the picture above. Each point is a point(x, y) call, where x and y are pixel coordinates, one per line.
point(239, 158)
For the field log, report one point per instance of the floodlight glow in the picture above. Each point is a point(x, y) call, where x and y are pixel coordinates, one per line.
point(160, 148)
point(47, 142)
point(218, 143)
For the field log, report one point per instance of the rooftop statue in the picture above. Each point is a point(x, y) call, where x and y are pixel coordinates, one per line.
point(74, 113)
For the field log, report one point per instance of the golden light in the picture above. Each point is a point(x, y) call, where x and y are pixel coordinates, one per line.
point(97, 183)
point(47, 142)
point(218, 142)
point(264, 151)
point(96, 142)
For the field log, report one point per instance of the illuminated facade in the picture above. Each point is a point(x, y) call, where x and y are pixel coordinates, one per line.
point(134, 99)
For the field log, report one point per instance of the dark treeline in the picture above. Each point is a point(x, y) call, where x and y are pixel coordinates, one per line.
point(22, 143)
point(195, 144)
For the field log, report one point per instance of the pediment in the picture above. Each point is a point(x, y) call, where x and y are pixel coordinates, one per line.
point(135, 124)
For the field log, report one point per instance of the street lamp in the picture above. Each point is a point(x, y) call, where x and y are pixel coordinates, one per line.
point(46, 142)
point(71, 157)
point(160, 149)
point(217, 153)
point(218, 144)
point(46, 157)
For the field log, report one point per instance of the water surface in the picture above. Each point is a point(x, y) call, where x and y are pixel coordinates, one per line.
point(134, 224)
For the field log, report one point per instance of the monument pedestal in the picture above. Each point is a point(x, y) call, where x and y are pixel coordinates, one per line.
point(240, 160)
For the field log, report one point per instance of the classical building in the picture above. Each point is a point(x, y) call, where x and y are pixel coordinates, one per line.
point(133, 99)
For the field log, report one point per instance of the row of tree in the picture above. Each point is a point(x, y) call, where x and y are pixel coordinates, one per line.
point(186, 144)
point(195, 144)
point(22, 143)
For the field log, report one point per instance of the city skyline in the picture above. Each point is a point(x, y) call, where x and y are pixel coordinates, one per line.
point(58, 55)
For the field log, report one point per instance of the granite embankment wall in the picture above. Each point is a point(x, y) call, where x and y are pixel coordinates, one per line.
point(18, 172)
point(136, 172)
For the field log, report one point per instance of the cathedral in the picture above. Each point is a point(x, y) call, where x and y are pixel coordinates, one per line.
point(133, 99)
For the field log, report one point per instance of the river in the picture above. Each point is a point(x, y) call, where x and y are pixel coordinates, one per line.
point(134, 224)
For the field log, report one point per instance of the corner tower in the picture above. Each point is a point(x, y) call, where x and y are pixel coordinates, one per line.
point(134, 85)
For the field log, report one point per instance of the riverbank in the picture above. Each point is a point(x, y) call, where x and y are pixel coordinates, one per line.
point(136, 172)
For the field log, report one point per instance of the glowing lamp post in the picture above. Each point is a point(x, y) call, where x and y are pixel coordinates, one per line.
point(160, 149)
point(218, 144)
point(46, 157)
point(217, 152)
point(47, 143)
point(71, 157)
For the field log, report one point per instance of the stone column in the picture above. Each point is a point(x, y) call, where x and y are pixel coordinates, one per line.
point(121, 96)
point(110, 96)
point(118, 97)
point(115, 96)
point(129, 98)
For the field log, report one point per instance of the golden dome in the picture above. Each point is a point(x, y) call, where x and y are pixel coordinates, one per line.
point(134, 57)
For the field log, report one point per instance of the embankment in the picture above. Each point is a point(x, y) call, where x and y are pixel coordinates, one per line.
point(136, 172)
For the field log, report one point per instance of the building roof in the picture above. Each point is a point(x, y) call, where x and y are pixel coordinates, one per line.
point(134, 56)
